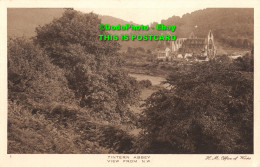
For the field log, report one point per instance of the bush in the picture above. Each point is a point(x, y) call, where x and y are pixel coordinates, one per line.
point(145, 83)
point(33, 133)
point(245, 63)
point(32, 78)
point(57, 132)
point(91, 66)
point(208, 110)
point(45, 133)
point(65, 86)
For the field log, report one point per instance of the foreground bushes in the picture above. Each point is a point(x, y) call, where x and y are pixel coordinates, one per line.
point(63, 89)
point(62, 129)
point(32, 78)
point(209, 109)
point(44, 116)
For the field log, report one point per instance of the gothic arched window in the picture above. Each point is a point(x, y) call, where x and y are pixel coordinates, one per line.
point(210, 44)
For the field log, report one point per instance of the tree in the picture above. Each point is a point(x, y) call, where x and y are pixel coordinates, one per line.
point(245, 63)
point(140, 49)
point(131, 50)
point(209, 109)
point(32, 78)
point(92, 67)
point(76, 28)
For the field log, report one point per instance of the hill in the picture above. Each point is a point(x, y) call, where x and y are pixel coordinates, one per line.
point(23, 21)
point(125, 44)
point(229, 25)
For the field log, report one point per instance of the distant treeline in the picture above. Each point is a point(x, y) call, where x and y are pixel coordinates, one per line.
point(234, 27)
point(138, 49)
point(239, 43)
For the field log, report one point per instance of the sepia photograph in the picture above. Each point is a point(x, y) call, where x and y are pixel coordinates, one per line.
point(121, 84)
point(70, 92)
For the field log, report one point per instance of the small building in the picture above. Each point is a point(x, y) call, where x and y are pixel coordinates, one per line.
point(164, 55)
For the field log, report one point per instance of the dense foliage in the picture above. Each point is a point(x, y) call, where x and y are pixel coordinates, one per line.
point(92, 67)
point(67, 91)
point(32, 78)
point(62, 129)
point(209, 109)
point(233, 27)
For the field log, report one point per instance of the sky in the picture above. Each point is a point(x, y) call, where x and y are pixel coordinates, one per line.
point(143, 16)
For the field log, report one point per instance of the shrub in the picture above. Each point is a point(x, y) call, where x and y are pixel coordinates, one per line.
point(32, 78)
point(91, 66)
point(209, 109)
point(145, 83)
point(55, 132)
point(32, 133)
point(245, 63)
point(64, 85)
